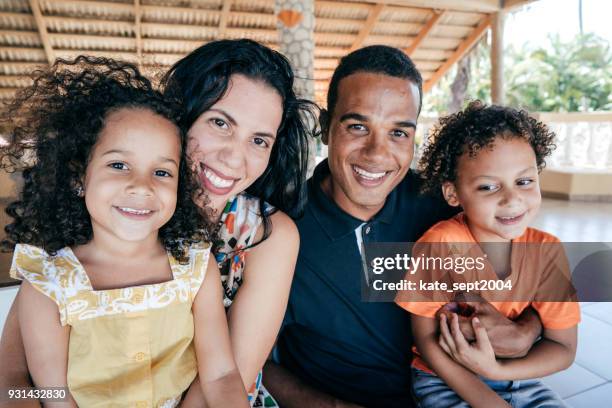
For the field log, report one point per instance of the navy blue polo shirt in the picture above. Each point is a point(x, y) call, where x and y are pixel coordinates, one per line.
point(353, 350)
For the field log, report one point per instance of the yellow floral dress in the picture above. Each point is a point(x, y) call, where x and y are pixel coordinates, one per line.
point(128, 347)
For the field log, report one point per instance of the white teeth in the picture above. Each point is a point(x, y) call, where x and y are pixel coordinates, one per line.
point(134, 211)
point(217, 181)
point(367, 174)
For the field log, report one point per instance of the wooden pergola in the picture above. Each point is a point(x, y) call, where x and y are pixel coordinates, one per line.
point(156, 33)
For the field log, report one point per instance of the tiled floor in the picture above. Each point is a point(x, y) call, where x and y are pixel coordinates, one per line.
point(588, 382)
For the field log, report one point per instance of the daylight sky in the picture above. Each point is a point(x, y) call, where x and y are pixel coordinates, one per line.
point(533, 23)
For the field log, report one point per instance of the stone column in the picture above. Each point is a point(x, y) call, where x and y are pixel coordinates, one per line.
point(295, 24)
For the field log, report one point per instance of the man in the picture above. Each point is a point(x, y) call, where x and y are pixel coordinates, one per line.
point(334, 349)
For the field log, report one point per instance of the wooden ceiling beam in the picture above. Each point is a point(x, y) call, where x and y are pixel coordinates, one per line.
point(225, 11)
point(368, 26)
point(463, 48)
point(431, 23)
point(479, 6)
point(42, 31)
point(138, 30)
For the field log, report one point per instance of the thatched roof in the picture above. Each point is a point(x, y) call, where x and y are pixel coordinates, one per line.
point(155, 33)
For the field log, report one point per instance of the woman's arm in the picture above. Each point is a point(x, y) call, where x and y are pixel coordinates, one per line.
point(219, 378)
point(257, 312)
point(465, 383)
point(45, 341)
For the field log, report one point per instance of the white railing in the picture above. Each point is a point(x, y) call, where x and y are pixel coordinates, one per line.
point(584, 140)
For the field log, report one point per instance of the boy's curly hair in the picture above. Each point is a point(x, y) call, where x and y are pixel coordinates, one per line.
point(473, 129)
point(53, 127)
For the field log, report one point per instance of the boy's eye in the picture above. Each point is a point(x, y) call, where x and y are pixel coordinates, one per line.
point(118, 166)
point(524, 182)
point(260, 141)
point(162, 173)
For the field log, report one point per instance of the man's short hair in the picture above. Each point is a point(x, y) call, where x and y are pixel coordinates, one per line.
point(376, 59)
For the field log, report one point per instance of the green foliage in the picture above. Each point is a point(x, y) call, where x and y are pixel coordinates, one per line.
point(561, 77)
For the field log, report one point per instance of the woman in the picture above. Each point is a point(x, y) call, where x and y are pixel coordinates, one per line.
point(249, 145)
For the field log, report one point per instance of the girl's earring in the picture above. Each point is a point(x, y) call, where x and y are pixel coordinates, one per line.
point(79, 191)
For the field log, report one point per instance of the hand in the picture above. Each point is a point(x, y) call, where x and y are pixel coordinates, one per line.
point(478, 357)
point(508, 338)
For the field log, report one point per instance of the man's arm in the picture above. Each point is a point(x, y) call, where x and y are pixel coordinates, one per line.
point(291, 392)
point(14, 371)
point(510, 339)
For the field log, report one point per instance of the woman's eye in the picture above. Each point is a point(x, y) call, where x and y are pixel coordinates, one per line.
point(220, 123)
point(524, 182)
point(162, 173)
point(260, 141)
point(118, 166)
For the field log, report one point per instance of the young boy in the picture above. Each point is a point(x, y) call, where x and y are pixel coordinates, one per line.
point(487, 160)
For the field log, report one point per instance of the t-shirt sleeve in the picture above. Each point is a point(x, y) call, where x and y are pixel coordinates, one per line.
point(555, 300)
point(420, 301)
point(34, 265)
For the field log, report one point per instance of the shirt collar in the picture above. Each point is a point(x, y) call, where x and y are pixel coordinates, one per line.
point(333, 220)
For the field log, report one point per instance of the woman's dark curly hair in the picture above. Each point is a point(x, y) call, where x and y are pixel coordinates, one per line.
point(201, 79)
point(475, 128)
point(53, 127)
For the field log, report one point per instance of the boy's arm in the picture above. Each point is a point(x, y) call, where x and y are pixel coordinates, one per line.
point(510, 339)
point(555, 352)
point(14, 371)
point(465, 383)
point(219, 377)
point(45, 341)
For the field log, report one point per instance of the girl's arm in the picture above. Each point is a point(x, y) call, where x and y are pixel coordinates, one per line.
point(14, 371)
point(555, 352)
point(257, 312)
point(45, 341)
point(465, 383)
point(219, 377)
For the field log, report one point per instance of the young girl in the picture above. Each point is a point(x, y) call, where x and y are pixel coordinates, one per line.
point(119, 293)
point(487, 160)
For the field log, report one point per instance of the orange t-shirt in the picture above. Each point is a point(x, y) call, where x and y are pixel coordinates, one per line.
point(531, 275)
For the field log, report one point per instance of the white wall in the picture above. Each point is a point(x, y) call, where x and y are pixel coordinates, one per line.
point(6, 299)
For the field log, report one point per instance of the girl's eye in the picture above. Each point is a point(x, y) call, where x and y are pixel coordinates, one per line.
point(220, 123)
point(118, 166)
point(162, 173)
point(487, 187)
point(524, 182)
point(260, 141)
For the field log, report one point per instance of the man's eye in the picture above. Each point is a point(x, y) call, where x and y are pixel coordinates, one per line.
point(162, 173)
point(118, 166)
point(357, 127)
point(399, 133)
point(524, 182)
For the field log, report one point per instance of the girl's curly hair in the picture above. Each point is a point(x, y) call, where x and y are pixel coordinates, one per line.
point(475, 128)
point(53, 127)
